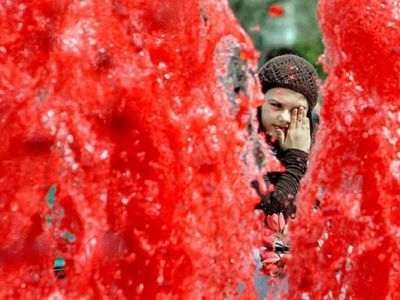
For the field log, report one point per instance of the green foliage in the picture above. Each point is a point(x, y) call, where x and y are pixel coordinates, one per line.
point(311, 50)
point(297, 29)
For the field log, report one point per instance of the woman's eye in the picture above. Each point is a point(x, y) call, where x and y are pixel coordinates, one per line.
point(275, 105)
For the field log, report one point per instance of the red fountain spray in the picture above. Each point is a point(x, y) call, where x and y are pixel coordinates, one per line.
point(127, 147)
point(347, 234)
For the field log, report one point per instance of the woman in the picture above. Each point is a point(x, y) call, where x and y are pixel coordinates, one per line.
point(290, 86)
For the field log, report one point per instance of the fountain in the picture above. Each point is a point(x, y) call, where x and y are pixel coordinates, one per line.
point(346, 236)
point(127, 150)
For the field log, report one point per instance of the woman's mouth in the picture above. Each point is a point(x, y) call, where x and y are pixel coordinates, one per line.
point(284, 129)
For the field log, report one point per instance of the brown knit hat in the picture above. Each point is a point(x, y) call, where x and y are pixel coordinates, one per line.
point(291, 72)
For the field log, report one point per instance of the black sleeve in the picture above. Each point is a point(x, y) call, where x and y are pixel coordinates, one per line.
point(286, 184)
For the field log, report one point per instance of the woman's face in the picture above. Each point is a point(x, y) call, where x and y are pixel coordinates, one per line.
point(277, 109)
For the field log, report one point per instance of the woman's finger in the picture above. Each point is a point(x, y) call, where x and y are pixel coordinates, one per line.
point(306, 123)
point(300, 117)
point(281, 137)
point(293, 119)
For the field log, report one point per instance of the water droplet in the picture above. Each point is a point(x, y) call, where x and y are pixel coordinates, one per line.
point(359, 88)
point(50, 113)
point(350, 249)
point(14, 207)
point(160, 280)
point(347, 120)
point(162, 66)
point(141, 155)
point(103, 197)
point(104, 155)
point(89, 148)
point(140, 288)
point(395, 169)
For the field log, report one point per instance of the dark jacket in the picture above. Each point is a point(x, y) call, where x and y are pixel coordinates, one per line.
point(286, 184)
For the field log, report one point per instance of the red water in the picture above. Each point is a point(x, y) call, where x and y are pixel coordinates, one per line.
point(275, 11)
point(125, 151)
point(355, 174)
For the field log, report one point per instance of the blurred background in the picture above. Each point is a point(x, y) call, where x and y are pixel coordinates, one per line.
point(282, 26)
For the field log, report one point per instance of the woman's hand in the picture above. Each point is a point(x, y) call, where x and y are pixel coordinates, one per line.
point(298, 134)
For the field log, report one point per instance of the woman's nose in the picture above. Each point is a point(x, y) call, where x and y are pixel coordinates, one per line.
point(285, 116)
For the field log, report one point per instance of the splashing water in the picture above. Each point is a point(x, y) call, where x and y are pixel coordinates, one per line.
point(127, 148)
point(354, 177)
point(123, 125)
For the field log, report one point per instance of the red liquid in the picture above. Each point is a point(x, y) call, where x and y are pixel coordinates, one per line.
point(356, 159)
point(275, 11)
point(121, 150)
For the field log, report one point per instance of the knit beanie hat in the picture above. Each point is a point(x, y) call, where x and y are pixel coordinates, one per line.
point(291, 72)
